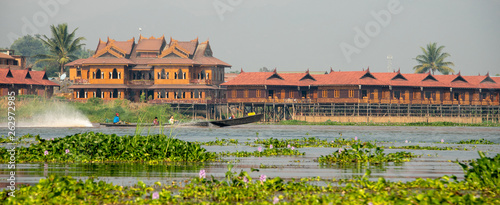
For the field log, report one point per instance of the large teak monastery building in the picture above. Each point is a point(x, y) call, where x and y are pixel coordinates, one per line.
point(151, 69)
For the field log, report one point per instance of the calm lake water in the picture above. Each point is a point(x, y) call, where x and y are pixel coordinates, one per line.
point(432, 164)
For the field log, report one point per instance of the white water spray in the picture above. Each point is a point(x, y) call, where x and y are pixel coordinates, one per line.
point(57, 114)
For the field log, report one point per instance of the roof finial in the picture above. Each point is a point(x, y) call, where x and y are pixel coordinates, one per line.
point(331, 69)
point(488, 74)
point(241, 71)
point(274, 70)
point(399, 70)
point(458, 73)
point(307, 71)
point(368, 69)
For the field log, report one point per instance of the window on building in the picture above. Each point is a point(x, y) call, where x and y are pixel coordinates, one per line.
point(351, 93)
point(98, 74)
point(428, 94)
point(208, 76)
point(336, 93)
point(98, 93)
point(304, 94)
point(324, 93)
point(291, 93)
point(397, 94)
point(162, 74)
point(246, 94)
point(196, 94)
point(233, 93)
point(456, 96)
point(78, 72)
point(271, 94)
point(115, 73)
point(364, 93)
point(81, 94)
point(115, 93)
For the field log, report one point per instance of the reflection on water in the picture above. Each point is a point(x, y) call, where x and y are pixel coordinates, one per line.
point(431, 164)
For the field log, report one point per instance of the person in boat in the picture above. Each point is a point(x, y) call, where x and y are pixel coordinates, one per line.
point(171, 120)
point(155, 121)
point(116, 120)
point(232, 116)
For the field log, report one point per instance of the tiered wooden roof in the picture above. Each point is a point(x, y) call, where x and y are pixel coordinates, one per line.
point(175, 52)
point(365, 78)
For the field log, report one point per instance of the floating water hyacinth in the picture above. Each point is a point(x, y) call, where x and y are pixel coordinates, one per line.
point(276, 200)
point(270, 146)
point(260, 149)
point(263, 178)
point(52, 139)
point(356, 138)
point(155, 195)
point(442, 140)
point(406, 141)
point(288, 146)
point(202, 174)
point(340, 150)
point(245, 179)
point(293, 148)
point(67, 151)
point(46, 152)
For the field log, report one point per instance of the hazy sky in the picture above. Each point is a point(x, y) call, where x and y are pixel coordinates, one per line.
point(290, 35)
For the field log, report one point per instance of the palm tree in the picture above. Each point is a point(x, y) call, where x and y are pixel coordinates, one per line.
point(433, 60)
point(62, 45)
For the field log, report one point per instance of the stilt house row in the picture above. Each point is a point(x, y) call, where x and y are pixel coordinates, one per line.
point(353, 87)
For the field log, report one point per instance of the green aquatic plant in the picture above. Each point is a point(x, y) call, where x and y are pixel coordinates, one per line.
point(418, 147)
point(241, 188)
point(364, 152)
point(305, 142)
point(99, 147)
point(263, 153)
point(219, 142)
point(483, 172)
point(474, 141)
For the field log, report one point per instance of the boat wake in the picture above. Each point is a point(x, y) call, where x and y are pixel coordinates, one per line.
point(57, 115)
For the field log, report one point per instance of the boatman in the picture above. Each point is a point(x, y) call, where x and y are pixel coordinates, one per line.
point(171, 120)
point(117, 119)
point(155, 121)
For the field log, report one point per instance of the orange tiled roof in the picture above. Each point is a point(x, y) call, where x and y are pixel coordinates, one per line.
point(151, 44)
point(5, 56)
point(366, 78)
point(24, 77)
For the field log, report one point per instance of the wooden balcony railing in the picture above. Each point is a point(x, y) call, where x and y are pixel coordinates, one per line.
point(81, 81)
point(141, 82)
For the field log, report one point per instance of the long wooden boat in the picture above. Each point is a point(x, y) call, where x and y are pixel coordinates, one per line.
point(128, 125)
point(237, 121)
point(219, 123)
